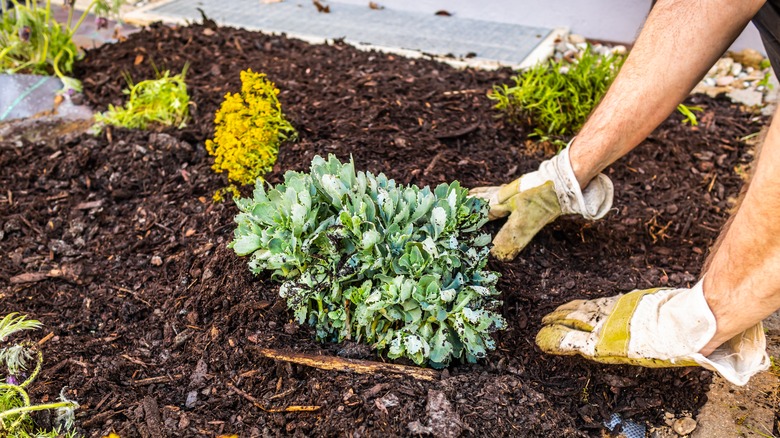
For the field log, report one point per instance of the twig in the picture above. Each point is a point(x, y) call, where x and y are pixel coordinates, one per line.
point(350, 365)
point(257, 404)
point(158, 379)
point(433, 163)
point(128, 291)
point(46, 338)
point(135, 361)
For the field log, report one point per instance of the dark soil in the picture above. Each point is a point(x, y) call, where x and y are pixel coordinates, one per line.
point(156, 323)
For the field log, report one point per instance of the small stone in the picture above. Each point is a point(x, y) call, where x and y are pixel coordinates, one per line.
point(192, 398)
point(736, 69)
point(723, 66)
point(157, 261)
point(619, 50)
point(684, 426)
point(576, 39)
point(724, 81)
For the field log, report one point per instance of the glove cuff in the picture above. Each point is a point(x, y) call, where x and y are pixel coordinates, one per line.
point(685, 324)
point(591, 203)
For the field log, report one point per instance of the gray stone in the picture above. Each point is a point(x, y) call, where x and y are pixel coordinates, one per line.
point(746, 97)
point(192, 398)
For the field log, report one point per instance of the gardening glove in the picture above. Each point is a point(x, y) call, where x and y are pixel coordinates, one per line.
point(537, 198)
point(653, 328)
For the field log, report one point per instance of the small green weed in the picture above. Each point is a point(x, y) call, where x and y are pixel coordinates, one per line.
point(32, 41)
point(162, 101)
point(15, 404)
point(687, 112)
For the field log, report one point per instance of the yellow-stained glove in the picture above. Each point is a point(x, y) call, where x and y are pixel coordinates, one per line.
point(652, 328)
point(538, 198)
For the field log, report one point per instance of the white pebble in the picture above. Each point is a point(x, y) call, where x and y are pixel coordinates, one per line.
point(619, 50)
point(736, 69)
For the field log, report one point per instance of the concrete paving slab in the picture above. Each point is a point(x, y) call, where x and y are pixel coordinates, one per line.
point(469, 41)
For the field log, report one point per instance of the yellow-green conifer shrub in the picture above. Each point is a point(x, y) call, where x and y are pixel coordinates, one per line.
point(249, 128)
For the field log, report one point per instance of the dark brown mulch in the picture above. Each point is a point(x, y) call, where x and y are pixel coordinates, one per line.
point(157, 323)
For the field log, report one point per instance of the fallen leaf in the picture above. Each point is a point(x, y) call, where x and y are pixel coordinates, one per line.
point(325, 9)
point(138, 59)
point(375, 6)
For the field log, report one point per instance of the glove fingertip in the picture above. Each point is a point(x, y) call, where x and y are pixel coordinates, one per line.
point(550, 339)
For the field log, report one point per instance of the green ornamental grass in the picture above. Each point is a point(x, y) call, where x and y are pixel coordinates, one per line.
point(556, 97)
point(163, 101)
point(360, 257)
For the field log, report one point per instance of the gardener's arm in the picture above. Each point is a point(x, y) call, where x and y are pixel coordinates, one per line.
point(679, 43)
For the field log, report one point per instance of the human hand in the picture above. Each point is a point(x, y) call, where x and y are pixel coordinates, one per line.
point(653, 328)
point(538, 198)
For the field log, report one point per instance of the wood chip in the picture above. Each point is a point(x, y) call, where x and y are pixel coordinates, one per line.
point(89, 205)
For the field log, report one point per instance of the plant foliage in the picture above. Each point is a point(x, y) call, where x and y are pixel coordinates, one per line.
point(162, 101)
point(15, 404)
point(32, 41)
point(250, 126)
point(359, 257)
point(556, 97)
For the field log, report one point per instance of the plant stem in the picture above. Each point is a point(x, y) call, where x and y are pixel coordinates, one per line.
point(43, 407)
point(73, 30)
point(25, 399)
point(37, 369)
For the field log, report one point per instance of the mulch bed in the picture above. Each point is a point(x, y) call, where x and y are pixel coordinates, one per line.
point(157, 324)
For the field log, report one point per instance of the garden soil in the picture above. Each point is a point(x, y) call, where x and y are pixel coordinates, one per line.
point(114, 243)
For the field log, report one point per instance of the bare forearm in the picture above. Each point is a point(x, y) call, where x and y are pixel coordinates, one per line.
point(680, 41)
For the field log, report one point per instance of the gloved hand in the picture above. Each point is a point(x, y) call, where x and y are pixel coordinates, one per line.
point(537, 198)
point(652, 328)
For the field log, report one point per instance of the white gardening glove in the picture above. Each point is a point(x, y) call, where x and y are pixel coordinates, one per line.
point(653, 328)
point(537, 198)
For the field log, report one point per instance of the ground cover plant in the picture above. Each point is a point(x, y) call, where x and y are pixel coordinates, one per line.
point(158, 326)
point(398, 267)
point(32, 41)
point(163, 101)
point(250, 126)
point(22, 362)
